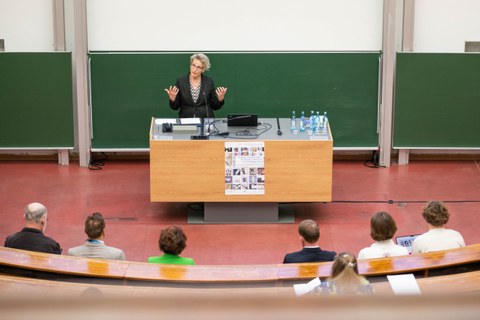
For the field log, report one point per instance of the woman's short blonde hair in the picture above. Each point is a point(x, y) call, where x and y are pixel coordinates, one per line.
point(203, 58)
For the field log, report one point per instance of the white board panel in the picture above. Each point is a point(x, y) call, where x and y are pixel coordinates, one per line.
point(445, 25)
point(27, 25)
point(248, 25)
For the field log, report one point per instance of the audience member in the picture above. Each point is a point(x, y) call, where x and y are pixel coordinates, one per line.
point(382, 230)
point(311, 252)
point(31, 237)
point(95, 246)
point(172, 242)
point(345, 279)
point(437, 237)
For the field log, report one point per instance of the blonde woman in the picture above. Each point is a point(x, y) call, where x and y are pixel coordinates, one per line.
point(345, 279)
point(194, 95)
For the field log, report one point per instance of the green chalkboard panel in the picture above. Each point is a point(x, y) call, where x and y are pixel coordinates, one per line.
point(36, 105)
point(437, 100)
point(128, 89)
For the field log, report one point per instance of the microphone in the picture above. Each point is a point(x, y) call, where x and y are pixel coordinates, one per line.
point(279, 131)
point(206, 110)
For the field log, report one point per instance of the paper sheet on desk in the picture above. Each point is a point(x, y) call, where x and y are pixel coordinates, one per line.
point(190, 121)
point(404, 284)
point(160, 121)
point(303, 288)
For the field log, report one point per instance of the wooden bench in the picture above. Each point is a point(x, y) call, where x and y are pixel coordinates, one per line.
point(460, 283)
point(12, 286)
point(27, 263)
point(44, 265)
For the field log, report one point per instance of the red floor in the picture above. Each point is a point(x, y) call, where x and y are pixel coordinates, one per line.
point(121, 192)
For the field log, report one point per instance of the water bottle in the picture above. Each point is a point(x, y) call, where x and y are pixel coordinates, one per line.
point(312, 123)
point(325, 123)
point(293, 127)
point(302, 122)
point(317, 128)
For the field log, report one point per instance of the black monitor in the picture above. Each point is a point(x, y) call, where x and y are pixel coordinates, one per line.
point(242, 120)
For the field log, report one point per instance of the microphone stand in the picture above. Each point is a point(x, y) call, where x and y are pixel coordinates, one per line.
point(208, 113)
point(202, 135)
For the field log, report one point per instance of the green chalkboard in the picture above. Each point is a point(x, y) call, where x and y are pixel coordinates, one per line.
point(36, 105)
point(128, 89)
point(437, 100)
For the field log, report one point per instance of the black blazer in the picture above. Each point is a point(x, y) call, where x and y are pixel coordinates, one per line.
point(309, 255)
point(184, 101)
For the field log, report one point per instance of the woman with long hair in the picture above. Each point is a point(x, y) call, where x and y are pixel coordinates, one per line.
point(345, 279)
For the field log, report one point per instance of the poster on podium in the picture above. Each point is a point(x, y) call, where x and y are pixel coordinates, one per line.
point(244, 168)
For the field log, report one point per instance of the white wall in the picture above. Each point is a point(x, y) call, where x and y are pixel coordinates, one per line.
point(27, 25)
point(215, 25)
point(445, 25)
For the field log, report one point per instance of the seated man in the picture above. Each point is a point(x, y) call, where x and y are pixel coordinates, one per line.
point(437, 237)
point(172, 242)
point(311, 252)
point(95, 247)
point(31, 237)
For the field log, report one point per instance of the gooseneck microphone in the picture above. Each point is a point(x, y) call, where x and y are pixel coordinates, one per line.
point(206, 111)
point(279, 131)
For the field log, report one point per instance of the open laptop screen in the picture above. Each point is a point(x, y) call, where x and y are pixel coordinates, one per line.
point(242, 120)
point(406, 241)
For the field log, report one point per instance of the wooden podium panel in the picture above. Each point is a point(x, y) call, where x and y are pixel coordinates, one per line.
point(194, 171)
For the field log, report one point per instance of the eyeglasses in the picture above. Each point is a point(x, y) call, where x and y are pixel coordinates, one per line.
point(194, 66)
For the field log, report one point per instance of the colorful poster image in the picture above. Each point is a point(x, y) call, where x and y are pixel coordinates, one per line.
point(244, 168)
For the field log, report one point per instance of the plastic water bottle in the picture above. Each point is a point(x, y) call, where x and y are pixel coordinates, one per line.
point(302, 122)
point(312, 122)
point(317, 123)
point(293, 127)
point(325, 123)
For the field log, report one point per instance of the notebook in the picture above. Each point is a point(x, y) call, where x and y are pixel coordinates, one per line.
point(242, 120)
point(406, 241)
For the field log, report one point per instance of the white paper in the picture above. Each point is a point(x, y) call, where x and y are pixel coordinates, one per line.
point(404, 284)
point(160, 121)
point(190, 120)
point(303, 288)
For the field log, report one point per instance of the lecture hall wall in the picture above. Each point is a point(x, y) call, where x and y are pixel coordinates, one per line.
point(440, 25)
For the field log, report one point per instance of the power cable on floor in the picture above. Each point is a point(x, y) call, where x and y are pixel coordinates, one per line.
point(374, 161)
point(97, 161)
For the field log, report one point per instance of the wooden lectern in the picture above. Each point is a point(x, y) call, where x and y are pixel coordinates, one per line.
point(298, 168)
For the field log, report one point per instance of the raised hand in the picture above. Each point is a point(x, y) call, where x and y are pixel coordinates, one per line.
point(172, 92)
point(221, 91)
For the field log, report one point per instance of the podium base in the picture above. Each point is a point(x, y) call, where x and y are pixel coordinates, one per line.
point(241, 213)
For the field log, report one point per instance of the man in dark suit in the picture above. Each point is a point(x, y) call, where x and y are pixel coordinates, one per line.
point(311, 252)
point(31, 237)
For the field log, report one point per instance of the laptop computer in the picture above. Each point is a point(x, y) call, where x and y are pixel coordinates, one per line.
point(406, 241)
point(242, 120)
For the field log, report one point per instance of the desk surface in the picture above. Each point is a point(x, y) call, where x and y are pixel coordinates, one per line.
point(267, 130)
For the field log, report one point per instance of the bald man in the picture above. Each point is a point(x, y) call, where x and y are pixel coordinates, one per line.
point(31, 237)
